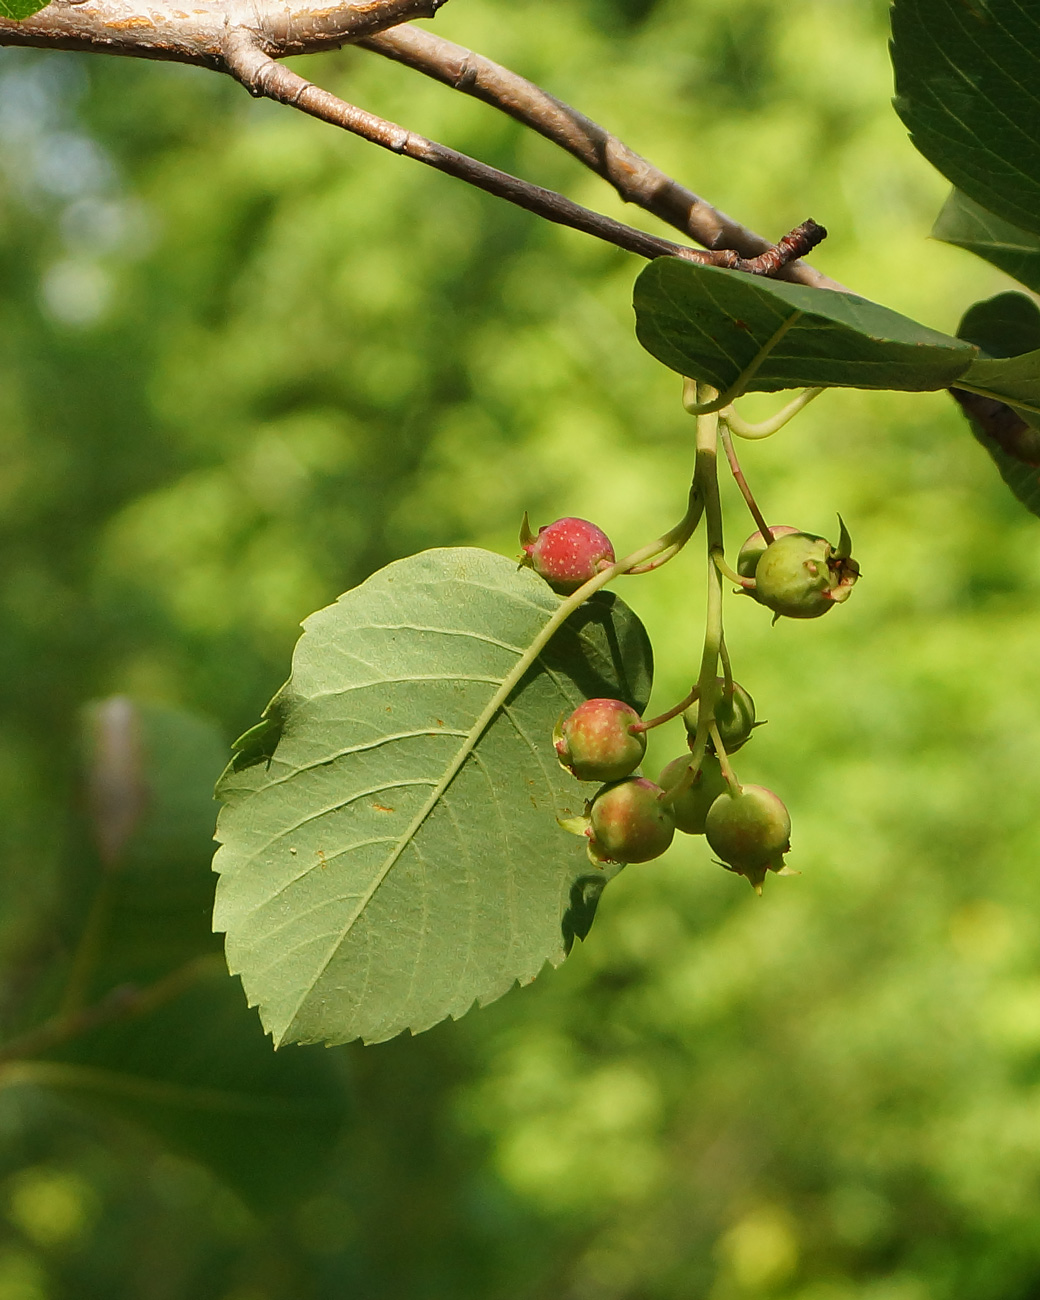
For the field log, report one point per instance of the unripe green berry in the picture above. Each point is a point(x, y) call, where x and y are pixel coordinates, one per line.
point(628, 822)
point(690, 807)
point(734, 716)
point(801, 575)
point(596, 742)
point(750, 831)
point(753, 549)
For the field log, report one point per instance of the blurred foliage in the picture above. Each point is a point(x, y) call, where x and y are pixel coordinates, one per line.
point(246, 360)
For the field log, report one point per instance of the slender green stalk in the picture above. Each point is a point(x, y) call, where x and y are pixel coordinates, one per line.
point(707, 479)
point(719, 561)
point(768, 427)
point(725, 765)
point(662, 718)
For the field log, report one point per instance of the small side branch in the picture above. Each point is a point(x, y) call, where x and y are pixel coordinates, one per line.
point(264, 77)
point(634, 178)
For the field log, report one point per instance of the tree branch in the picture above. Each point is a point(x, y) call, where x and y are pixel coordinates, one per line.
point(263, 76)
point(636, 180)
point(194, 33)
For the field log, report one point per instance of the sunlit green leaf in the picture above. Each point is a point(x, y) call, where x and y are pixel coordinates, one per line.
point(750, 334)
point(966, 74)
point(392, 863)
point(19, 9)
point(967, 225)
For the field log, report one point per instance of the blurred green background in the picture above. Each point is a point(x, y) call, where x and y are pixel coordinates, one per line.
point(245, 360)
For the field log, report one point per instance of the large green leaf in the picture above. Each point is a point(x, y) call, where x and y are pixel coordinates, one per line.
point(967, 225)
point(19, 9)
point(745, 333)
point(391, 862)
point(966, 76)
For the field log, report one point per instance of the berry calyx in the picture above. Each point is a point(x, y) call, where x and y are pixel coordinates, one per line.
point(566, 553)
point(596, 742)
point(629, 823)
point(750, 831)
point(754, 548)
point(734, 716)
point(801, 575)
point(690, 807)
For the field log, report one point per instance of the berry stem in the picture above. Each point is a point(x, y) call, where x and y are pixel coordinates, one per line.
point(725, 765)
point(720, 563)
point(740, 480)
point(768, 427)
point(674, 712)
point(706, 476)
point(727, 667)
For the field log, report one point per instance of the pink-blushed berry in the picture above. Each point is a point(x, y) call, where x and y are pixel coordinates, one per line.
point(629, 823)
point(566, 553)
point(596, 743)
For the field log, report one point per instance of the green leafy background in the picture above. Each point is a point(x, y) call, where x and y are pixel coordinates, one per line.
point(245, 362)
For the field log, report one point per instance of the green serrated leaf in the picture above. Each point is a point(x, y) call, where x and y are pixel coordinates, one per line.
point(967, 225)
point(390, 865)
point(19, 9)
point(747, 334)
point(966, 73)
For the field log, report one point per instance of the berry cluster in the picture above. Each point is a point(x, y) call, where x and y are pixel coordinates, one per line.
point(631, 819)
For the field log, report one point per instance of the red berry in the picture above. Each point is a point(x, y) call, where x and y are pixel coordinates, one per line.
point(567, 553)
point(596, 744)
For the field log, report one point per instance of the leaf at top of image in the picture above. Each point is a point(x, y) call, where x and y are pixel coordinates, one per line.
point(967, 225)
point(392, 862)
point(20, 9)
point(733, 330)
point(966, 77)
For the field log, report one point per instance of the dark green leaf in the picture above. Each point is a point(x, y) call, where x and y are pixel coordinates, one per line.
point(966, 75)
point(19, 9)
point(1015, 380)
point(1004, 326)
point(392, 863)
point(199, 1073)
point(965, 224)
point(744, 333)
point(192, 1065)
